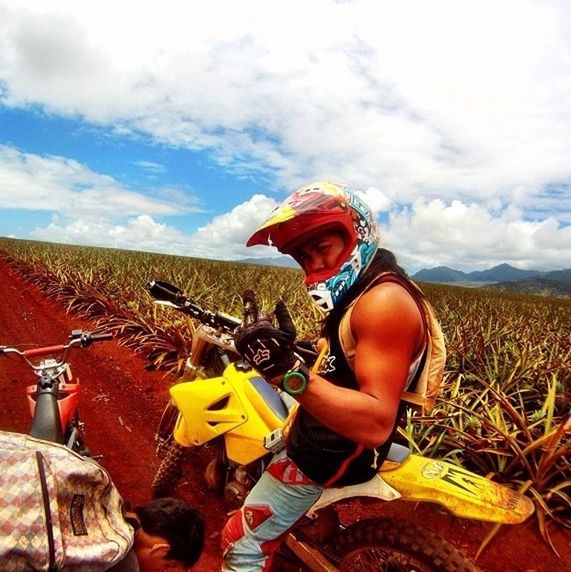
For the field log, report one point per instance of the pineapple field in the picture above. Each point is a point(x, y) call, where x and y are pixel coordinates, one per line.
point(503, 409)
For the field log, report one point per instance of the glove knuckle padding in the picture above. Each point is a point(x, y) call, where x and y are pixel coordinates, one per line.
point(267, 348)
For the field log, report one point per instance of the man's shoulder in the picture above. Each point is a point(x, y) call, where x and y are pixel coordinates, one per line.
point(387, 305)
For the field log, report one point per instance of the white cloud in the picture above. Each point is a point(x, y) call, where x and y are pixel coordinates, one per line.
point(224, 237)
point(51, 183)
point(228, 233)
point(150, 166)
point(138, 233)
point(376, 199)
point(452, 116)
point(435, 233)
point(459, 100)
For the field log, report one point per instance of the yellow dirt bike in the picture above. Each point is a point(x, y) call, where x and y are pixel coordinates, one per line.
point(222, 403)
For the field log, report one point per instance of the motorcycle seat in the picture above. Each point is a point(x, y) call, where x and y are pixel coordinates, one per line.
point(397, 453)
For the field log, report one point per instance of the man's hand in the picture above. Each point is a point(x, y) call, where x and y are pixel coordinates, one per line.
point(267, 348)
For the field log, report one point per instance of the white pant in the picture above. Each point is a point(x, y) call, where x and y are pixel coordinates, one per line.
point(277, 501)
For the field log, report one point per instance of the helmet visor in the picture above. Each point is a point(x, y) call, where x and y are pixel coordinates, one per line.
point(302, 213)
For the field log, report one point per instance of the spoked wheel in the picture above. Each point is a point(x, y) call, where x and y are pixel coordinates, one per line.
point(391, 546)
point(169, 451)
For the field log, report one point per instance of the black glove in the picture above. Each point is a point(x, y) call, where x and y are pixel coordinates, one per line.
point(269, 349)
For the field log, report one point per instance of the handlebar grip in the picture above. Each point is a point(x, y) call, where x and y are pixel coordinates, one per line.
point(43, 351)
point(164, 291)
point(250, 307)
point(101, 337)
point(227, 321)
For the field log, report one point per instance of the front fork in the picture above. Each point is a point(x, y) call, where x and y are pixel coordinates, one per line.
point(164, 435)
point(46, 422)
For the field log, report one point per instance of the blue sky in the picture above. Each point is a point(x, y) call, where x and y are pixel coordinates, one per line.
point(167, 127)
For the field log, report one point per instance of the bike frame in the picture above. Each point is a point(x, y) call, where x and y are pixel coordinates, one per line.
point(59, 383)
point(53, 400)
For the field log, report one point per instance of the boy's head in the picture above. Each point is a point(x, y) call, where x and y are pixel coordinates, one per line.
point(171, 532)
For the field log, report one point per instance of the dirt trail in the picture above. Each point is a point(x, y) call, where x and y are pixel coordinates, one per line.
point(121, 406)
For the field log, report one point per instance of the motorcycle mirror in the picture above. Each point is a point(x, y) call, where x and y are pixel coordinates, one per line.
point(164, 291)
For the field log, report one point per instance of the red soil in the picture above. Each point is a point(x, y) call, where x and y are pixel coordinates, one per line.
point(121, 406)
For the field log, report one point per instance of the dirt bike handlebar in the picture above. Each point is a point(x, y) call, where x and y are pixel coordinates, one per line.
point(77, 338)
point(165, 292)
point(174, 296)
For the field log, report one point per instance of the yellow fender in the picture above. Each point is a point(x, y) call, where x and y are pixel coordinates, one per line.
point(462, 492)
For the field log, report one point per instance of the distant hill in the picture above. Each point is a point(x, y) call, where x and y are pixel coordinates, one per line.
point(284, 261)
point(542, 286)
point(500, 277)
point(559, 276)
point(440, 274)
point(502, 273)
point(503, 277)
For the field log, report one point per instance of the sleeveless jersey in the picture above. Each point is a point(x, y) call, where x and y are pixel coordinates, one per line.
point(323, 455)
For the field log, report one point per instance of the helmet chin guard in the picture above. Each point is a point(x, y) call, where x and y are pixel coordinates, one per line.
point(327, 293)
point(318, 207)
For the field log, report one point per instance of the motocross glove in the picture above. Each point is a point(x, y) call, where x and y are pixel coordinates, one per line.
point(268, 348)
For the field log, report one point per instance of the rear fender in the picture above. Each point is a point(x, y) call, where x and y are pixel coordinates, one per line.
point(68, 400)
point(462, 492)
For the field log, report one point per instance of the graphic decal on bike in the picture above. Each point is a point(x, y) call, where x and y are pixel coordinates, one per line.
point(433, 469)
point(455, 476)
point(470, 483)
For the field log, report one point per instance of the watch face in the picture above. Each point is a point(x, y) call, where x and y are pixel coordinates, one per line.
point(294, 382)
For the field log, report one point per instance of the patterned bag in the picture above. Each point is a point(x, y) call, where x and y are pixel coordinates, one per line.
point(58, 510)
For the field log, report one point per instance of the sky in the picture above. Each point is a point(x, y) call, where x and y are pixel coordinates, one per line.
point(176, 126)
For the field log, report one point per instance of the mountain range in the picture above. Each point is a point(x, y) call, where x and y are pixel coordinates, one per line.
point(504, 277)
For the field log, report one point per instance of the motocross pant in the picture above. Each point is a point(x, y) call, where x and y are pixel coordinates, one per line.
point(277, 501)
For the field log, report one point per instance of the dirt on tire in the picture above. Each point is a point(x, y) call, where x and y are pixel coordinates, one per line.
point(121, 406)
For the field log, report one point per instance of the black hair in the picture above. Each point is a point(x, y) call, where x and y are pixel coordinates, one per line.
point(178, 523)
point(383, 261)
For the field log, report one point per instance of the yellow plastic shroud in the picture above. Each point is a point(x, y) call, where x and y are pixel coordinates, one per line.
point(229, 405)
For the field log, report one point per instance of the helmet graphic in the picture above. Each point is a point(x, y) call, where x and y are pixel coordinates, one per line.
point(314, 208)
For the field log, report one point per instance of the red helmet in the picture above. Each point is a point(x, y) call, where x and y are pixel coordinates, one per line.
point(311, 210)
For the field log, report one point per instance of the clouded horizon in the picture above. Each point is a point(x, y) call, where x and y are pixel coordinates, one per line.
point(175, 127)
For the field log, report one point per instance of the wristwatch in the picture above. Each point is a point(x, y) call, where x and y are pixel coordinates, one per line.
point(295, 380)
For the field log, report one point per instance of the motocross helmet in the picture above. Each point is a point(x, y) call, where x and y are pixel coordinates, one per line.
point(315, 208)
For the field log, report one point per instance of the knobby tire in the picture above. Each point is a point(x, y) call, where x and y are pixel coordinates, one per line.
point(391, 546)
point(169, 470)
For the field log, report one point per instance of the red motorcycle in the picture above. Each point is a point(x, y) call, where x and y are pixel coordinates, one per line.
point(53, 400)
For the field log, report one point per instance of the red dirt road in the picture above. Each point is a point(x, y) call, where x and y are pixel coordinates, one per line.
point(121, 405)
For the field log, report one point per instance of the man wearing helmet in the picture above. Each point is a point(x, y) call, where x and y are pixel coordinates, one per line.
point(350, 408)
